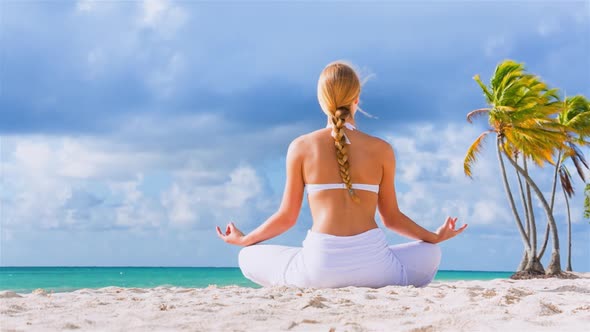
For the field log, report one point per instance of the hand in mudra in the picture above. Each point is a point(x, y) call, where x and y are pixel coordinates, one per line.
point(232, 234)
point(447, 230)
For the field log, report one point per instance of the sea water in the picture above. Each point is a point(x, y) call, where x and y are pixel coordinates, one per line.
point(63, 279)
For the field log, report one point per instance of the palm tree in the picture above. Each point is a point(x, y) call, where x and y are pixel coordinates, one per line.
point(574, 118)
point(520, 113)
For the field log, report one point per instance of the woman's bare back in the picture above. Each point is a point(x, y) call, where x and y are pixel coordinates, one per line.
point(333, 211)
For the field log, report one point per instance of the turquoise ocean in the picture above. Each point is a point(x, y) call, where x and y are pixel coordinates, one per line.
point(63, 279)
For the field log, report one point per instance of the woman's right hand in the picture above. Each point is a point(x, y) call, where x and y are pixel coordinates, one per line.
point(447, 230)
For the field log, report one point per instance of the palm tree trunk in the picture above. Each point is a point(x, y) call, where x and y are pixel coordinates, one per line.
point(569, 234)
point(523, 235)
point(546, 237)
point(529, 204)
point(525, 257)
point(524, 261)
point(529, 262)
point(545, 241)
point(534, 263)
point(524, 205)
point(554, 266)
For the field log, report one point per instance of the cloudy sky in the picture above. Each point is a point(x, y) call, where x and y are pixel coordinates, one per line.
point(130, 129)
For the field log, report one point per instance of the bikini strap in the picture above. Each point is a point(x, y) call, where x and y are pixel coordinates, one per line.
point(349, 126)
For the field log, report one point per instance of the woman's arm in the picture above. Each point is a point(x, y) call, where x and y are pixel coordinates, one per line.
point(286, 216)
point(395, 220)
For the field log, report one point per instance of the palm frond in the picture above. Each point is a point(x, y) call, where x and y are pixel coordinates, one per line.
point(484, 88)
point(471, 115)
point(533, 144)
point(566, 181)
point(502, 70)
point(472, 152)
point(551, 95)
point(579, 154)
point(580, 141)
point(505, 108)
point(580, 124)
point(575, 105)
point(577, 162)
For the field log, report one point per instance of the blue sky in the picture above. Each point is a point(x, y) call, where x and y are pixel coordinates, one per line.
point(130, 129)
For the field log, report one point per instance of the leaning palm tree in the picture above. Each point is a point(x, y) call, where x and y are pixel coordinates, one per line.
point(520, 113)
point(574, 118)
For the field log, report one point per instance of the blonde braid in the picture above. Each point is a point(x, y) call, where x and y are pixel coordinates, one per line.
point(338, 120)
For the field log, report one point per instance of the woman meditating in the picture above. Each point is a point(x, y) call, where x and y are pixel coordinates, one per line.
point(348, 175)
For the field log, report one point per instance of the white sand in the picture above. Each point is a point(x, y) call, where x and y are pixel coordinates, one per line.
point(497, 305)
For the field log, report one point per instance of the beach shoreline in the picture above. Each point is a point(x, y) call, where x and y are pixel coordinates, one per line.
point(523, 305)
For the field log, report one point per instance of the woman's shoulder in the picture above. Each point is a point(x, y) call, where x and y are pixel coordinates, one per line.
point(377, 144)
point(310, 137)
point(301, 143)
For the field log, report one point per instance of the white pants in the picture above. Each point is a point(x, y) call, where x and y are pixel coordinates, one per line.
point(329, 261)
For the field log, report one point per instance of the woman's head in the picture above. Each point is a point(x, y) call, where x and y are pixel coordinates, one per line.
point(339, 88)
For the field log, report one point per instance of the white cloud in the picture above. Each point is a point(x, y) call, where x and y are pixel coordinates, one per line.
point(34, 156)
point(164, 17)
point(99, 183)
point(241, 198)
point(181, 206)
point(86, 5)
point(244, 185)
point(153, 10)
point(52, 183)
point(490, 212)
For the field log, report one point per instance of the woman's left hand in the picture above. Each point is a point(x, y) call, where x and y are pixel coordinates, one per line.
point(232, 235)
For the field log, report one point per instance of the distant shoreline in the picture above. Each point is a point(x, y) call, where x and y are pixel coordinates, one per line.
point(182, 267)
point(67, 279)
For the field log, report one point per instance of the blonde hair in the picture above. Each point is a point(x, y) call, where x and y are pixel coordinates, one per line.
point(338, 88)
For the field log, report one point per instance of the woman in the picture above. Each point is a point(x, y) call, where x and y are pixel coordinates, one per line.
point(348, 175)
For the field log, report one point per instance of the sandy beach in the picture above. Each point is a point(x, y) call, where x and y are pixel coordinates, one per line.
point(500, 304)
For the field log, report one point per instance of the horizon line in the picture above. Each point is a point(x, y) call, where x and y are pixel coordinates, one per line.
point(214, 267)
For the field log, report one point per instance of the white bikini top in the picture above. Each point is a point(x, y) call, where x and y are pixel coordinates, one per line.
point(312, 188)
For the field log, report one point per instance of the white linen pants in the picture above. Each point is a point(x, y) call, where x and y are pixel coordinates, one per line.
point(329, 261)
